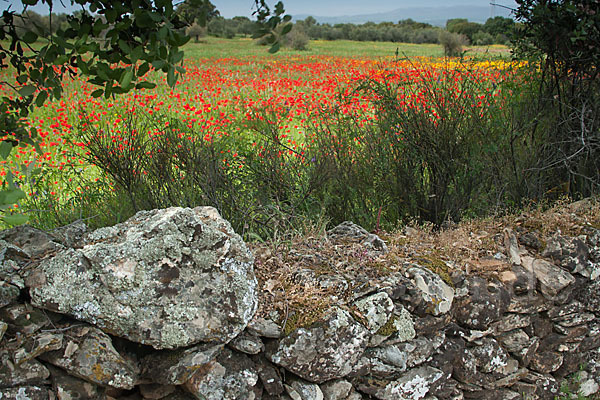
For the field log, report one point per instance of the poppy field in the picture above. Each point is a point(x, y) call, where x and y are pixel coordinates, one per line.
point(270, 140)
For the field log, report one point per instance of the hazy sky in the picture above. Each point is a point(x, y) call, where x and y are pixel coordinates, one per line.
point(330, 8)
point(325, 8)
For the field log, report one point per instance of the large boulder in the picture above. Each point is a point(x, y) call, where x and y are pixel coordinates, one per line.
point(167, 278)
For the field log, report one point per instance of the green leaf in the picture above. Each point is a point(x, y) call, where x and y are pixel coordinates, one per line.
point(176, 57)
point(41, 98)
point(111, 15)
point(275, 48)
point(124, 47)
point(286, 29)
point(29, 2)
point(158, 64)
point(126, 78)
point(143, 69)
point(97, 93)
point(30, 37)
point(162, 33)
point(163, 52)
point(136, 54)
point(171, 80)
point(5, 148)
point(15, 219)
point(145, 85)
point(33, 74)
point(180, 40)
point(26, 91)
point(11, 196)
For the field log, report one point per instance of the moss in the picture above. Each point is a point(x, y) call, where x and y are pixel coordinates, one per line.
point(303, 318)
point(382, 268)
point(436, 265)
point(543, 245)
point(389, 328)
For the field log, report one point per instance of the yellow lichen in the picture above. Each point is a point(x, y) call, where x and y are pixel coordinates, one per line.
point(99, 373)
point(389, 328)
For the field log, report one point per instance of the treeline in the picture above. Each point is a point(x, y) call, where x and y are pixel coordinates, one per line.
point(495, 30)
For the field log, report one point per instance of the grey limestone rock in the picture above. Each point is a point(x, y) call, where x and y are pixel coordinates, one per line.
point(32, 392)
point(30, 372)
point(167, 278)
point(247, 343)
point(232, 376)
point(436, 293)
point(376, 310)
point(175, 367)
point(486, 303)
point(351, 231)
point(88, 353)
point(413, 385)
point(552, 279)
point(324, 351)
point(299, 389)
point(338, 389)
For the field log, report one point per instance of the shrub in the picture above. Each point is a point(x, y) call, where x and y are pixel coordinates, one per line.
point(482, 38)
point(158, 162)
point(195, 31)
point(452, 42)
point(434, 150)
point(297, 38)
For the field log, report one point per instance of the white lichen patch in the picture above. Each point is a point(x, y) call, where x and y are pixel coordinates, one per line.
point(498, 362)
point(413, 385)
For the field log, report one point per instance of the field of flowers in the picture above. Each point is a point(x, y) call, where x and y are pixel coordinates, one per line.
point(235, 101)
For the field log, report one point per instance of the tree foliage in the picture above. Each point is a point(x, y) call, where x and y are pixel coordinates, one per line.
point(566, 31)
point(113, 44)
point(563, 36)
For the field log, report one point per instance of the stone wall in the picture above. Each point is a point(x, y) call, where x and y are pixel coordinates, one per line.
point(164, 307)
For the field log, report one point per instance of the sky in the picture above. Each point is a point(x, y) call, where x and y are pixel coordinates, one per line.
point(324, 8)
point(331, 8)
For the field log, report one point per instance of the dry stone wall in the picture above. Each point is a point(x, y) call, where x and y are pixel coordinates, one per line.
point(163, 307)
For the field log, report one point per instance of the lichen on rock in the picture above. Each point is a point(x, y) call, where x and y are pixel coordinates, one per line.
point(166, 278)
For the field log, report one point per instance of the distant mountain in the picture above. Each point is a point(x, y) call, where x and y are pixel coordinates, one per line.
point(431, 15)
